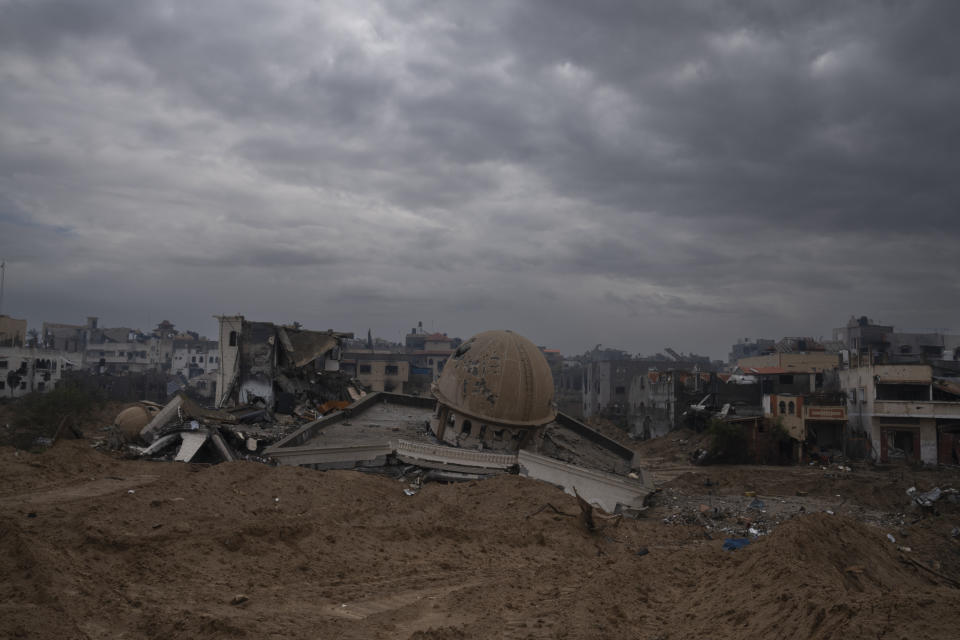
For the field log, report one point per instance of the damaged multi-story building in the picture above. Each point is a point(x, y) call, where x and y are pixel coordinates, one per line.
point(902, 391)
point(657, 400)
point(277, 366)
point(869, 342)
point(909, 412)
point(568, 387)
point(800, 392)
point(609, 376)
point(491, 411)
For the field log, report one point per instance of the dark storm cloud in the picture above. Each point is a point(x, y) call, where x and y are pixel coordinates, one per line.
point(576, 171)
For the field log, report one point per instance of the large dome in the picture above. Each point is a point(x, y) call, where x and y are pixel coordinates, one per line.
point(498, 377)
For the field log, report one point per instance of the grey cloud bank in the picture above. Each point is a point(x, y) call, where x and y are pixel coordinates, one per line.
point(637, 174)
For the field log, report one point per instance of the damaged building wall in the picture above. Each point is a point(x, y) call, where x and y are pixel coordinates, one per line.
point(278, 366)
point(652, 401)
point(229, 357)
point(258, 363)
point(568, 388)
point(899, 407)
point(607, 383)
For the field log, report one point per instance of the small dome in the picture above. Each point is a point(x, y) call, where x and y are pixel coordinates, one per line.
point(132, 419)
point(498, 377)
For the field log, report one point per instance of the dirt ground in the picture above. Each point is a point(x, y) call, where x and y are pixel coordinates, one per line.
point(94, 546)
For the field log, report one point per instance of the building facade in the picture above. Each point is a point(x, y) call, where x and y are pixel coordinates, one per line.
point(24, 370)
point(378, 370)
point(13, 332)
point(193, 358)
point(910, 412)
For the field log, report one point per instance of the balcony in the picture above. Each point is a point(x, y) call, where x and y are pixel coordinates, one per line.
point(916, 409)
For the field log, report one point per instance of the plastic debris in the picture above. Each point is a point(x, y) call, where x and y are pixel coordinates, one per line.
point(732, 544)
point(756, 504)
point(891, 538)
point(927, 498)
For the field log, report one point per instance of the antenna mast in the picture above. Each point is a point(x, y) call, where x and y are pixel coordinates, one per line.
point(3, 273)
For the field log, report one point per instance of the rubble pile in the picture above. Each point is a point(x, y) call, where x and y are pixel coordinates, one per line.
point(748, 517)
point(184, 431)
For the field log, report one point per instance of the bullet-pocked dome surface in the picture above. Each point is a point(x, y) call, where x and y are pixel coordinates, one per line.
point(499, 377)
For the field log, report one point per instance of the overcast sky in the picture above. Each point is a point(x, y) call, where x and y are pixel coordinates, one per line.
point(637, 174)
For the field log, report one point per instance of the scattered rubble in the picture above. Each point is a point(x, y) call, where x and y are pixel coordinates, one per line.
point(184, 431)
point(926, 499)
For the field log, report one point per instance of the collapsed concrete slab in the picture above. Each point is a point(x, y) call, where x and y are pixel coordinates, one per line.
point(612, 493)
point(192, 441)
point(161, 419)
point(385, 430)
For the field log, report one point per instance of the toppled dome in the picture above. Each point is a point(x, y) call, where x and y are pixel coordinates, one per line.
point(498, 377)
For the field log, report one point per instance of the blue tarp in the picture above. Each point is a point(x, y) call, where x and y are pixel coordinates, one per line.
point(732, 544)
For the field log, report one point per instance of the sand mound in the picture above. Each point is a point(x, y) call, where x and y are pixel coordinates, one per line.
point(821, 576)
point(155, 550)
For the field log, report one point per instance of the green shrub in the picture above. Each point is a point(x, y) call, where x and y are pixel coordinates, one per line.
point(729, 442)
point(41, 414)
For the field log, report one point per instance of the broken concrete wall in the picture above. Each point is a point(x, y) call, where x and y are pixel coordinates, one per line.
point(258, 363)
point(651, 401)
point(229, 354)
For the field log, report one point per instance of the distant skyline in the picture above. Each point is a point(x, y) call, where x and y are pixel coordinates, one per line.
point(398, 335)
point(640, 175)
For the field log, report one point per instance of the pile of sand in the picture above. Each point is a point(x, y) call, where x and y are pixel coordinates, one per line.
point(821, 576)
point(158, 550)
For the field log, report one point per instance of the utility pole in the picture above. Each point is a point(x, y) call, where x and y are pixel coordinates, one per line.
point(3, 273)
